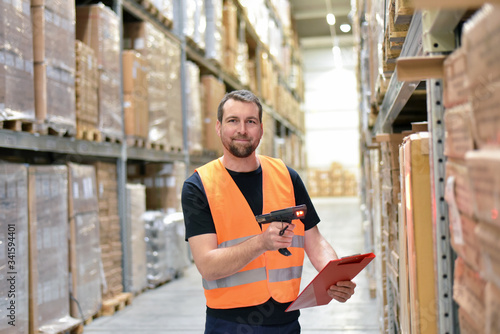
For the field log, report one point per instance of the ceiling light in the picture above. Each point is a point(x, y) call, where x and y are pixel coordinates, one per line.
point(345, 27)
point(330, 18)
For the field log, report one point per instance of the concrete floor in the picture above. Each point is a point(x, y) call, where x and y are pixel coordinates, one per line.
point(179, 306)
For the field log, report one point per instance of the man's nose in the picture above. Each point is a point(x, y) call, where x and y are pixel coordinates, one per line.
point(242, 128)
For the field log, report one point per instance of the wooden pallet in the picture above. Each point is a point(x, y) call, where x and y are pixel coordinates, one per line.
point(18, 125)
point(80, 328)
point(110, 139)
point(156, 146)
point(116, 303)
point(133, 141)
point(88, 134)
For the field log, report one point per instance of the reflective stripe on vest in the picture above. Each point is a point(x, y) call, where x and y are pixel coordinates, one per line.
point(271, 274)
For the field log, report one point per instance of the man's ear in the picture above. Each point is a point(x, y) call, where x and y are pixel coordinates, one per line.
point(217, 127)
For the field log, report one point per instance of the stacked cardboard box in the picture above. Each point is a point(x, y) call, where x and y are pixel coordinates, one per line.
point(14, 297)
point(334, 181)
point(193, 109)
point(163, 184)
point(16, 70)
point(213, 90)
point(48, 244)
point(214, 30)
point(98, 27)
point(86, 92)
point(163, 82)
point(390, 190)
point(230, 37)
point(84, 244)
point(54, 64)
point(417, 219)
point(266, 146)
point(472, 143)
point(135, 95)
point(109, 230)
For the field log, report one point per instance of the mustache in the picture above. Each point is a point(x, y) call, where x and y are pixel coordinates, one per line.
point(241, 138)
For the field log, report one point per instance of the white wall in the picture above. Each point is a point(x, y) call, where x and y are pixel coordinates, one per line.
point(331, 109)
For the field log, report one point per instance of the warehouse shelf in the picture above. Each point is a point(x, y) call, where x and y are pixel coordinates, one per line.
point(399, 92)
point(47, 143)
point(141, 13)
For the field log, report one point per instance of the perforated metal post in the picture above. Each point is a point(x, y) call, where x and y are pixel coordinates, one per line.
point(444, 255)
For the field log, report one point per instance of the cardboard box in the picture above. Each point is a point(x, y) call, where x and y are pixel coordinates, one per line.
point(134, 73)
point(492, 308)
point(456, 90)
point(481, 41)
point(483, 167)
point(459, 137)
point(417, 199)
point(213, 90)
point(98, 27)
point(86, 87)
point(488, 236)
point(468, 292)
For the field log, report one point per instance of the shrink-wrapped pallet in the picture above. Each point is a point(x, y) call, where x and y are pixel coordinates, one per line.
point(16, 63)
point(54, 65)
point(156, 248)
point(109, 229)
point(48, 242)
point(14, 269)
point(84, 249)
point(164, 85)
point(98, 26)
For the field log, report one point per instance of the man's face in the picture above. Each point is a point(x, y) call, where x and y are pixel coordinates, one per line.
point(240, 130)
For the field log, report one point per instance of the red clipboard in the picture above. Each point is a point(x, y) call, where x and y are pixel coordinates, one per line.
point(343, 269)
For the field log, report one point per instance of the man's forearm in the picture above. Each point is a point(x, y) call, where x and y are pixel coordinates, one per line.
point(222, 262)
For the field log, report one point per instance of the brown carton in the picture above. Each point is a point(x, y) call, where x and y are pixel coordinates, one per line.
point(417, 199)
point(483, 166)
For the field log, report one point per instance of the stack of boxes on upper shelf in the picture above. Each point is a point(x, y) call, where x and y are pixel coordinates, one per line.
point(384, 30)
point(472, 148)
point(60, 70)
point(400, 229)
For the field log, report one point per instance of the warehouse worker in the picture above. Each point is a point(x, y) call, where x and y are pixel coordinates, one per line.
point(248, 284)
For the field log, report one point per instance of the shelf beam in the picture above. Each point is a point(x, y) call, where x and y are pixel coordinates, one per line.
point(45, 143)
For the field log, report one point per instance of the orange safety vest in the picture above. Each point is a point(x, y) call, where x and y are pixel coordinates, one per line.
point(271, 274)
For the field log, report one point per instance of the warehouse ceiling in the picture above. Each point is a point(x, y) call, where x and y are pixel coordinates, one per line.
point(311, 24)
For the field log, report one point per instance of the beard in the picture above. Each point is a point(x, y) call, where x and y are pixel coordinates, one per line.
point(241, 150)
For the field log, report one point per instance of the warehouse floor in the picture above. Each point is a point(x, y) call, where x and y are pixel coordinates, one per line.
point(179, 306)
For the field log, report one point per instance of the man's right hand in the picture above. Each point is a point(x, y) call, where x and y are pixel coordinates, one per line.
point(272, 238)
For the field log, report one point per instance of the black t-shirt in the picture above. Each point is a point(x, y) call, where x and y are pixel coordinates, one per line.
point(198, 220)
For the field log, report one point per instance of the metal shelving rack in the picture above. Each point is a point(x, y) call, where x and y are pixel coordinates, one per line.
point(22, 143)
point(431, 32)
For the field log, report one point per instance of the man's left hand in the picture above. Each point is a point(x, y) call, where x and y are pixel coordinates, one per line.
point(342, 291)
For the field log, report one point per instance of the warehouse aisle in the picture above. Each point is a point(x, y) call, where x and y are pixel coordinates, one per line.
point(178, 306)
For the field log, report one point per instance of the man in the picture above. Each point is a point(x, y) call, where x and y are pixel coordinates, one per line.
point(248, 284)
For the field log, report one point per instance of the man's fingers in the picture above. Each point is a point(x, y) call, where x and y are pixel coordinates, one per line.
point(342, 291)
